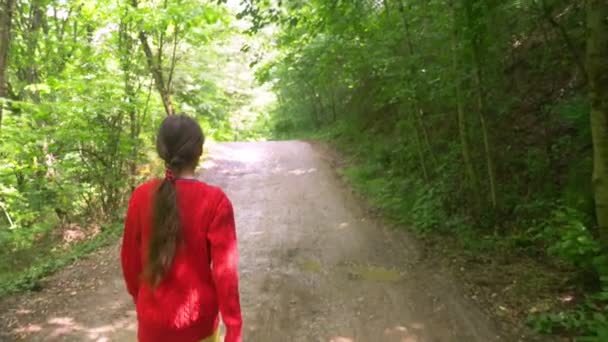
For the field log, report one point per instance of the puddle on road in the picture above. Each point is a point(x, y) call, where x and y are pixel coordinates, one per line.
point(299, 172)
point(373, 273)
point(310, 265)
point(353, 271)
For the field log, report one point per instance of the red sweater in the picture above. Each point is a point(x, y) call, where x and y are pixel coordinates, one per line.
point(202, 281)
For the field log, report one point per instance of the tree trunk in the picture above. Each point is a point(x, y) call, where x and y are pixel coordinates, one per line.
point(425, 135)
point(173, 59)
point(387, 9)
point(6, 15)
point(333, 104)
point(425, 171)
point(418, 124)
point(157, 73)
point(316, 104)
point(126, 48)
point(155, 70)
point(574, 51)
point(37, 17)
point(317, 110)
point(597, 67)
point(476, 47)
point(463, 130)
point(481, 108)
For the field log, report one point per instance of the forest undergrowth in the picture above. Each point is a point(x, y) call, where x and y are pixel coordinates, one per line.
point(477, 124)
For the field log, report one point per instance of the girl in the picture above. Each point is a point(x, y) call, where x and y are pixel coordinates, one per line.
point(179, 252)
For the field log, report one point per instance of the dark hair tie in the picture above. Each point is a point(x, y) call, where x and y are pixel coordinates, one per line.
point(169, 175)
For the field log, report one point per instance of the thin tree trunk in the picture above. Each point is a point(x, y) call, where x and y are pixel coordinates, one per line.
point(157, 73)
point(481, 100)
point(155, 70)
point(6, 16)
point(387, 9)
point(322, 111)
point(317, 104)
point(463, 131)
point(423, 166)
point(126, 47)
point(317, 110)
point(481, 108)
point(36, 21)
point(425, 135)
point(333, 104)
point(417, 121)
point(577, 59)
point(281, 102)
point(406, 26)
point(173, 59)
point(597, 66)
point(64, 53)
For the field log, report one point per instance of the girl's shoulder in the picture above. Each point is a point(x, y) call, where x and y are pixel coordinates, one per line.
point(216, 192)
point(147, 187)
point(212, 192)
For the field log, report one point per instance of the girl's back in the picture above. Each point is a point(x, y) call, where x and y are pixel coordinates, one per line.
point(181, 301)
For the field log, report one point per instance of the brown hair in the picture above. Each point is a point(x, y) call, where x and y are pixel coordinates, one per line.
point(179, 143)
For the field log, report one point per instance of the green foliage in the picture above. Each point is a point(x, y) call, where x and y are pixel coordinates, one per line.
point(575, 111)
point(588, 320)
point(471, 121)
point(569, 239)
point(80, 115)
point(427, 212)
point(596, 325)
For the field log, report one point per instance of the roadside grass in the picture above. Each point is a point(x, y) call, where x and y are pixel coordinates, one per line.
point(45, 259)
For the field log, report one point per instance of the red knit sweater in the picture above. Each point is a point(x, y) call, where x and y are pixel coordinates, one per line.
point(203, 280)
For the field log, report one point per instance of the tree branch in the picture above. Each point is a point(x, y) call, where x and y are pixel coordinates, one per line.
point(155, 70)
point(577, 59)
point(173, 59)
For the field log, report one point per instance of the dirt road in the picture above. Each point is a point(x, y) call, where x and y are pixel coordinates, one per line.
point(314, 267)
